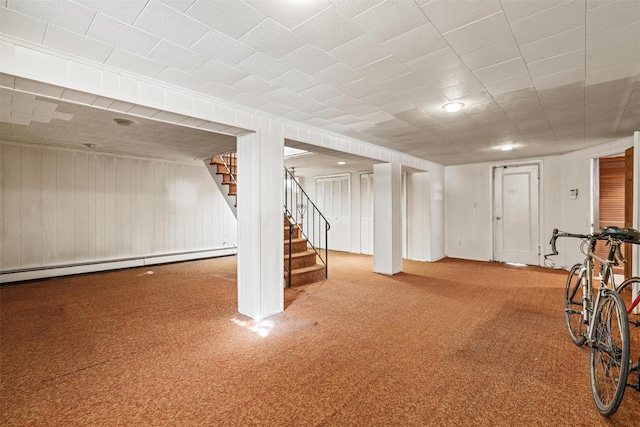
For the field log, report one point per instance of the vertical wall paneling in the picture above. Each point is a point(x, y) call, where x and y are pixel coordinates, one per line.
point(65, 206)
point(147, 206)
point(91, 207)
point(387, 235)
point(12, 218)
point(81, 183)
point(49, 219)
point(100, 208)
point(136, 214)
point(1, 207)
point(123, 207)
point(30, 207)
point(110, 208)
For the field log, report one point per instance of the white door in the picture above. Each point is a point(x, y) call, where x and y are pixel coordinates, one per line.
point(333, 201)
point(366, 213)
point(516, 216)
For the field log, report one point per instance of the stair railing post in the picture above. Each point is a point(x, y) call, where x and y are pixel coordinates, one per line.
point(290, 249)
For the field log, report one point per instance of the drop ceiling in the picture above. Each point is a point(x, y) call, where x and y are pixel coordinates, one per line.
point(547, 76)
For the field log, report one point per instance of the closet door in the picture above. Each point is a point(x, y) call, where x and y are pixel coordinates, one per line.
point(333, 201)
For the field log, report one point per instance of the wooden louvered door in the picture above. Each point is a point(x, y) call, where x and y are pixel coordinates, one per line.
point(628, 209)
point(612, 200)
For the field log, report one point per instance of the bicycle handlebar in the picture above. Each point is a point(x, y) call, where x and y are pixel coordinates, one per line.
point(557, 233)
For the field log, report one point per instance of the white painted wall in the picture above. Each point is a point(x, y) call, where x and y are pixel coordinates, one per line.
point(62, 207)
point(468, 228)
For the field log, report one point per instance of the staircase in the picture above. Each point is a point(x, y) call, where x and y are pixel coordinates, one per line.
point(300, 262)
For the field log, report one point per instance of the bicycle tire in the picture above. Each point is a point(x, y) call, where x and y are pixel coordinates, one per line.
point(573, 307)
point(609, 356)
point(626, 293)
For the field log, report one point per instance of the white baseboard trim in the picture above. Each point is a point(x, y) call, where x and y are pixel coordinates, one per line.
point(20, 275)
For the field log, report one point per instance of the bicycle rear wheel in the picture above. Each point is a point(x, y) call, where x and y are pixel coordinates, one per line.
point(573, 304)
point(609, 358)
point(629, 290)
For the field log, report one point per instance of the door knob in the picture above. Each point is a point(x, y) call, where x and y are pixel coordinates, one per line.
point(498, 218)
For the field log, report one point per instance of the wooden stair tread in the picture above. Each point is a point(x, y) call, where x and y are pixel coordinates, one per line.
point(315, 267)
point(300, 254)
point(295, 239)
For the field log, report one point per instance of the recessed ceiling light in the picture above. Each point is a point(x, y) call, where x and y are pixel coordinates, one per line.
point(124, 122)
point(452, 107)
point(507, 147)
point(90, 145)
point(342, 163)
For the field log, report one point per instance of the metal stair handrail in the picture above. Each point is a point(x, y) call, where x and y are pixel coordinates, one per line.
point(313, 225)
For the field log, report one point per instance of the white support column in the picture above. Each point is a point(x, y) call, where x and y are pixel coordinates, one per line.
point(636, 202)
point(260, 221)
point(387, 223)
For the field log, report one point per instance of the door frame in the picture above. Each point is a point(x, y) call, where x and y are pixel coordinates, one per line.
point(541, 226)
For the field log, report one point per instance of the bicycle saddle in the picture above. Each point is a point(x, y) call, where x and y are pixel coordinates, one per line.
point(628, 235)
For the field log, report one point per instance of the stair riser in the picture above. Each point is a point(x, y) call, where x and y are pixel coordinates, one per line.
point(300, 246)
point(306, 278)
point(296, 233)
point(301, 262)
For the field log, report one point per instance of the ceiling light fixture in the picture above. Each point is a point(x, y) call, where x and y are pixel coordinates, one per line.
point(124, 122)
point(90, 145)
point(507, 147)
point(453, 107)
point(342, 163)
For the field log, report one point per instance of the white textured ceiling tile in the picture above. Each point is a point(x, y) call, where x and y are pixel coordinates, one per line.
point(555, 45)
point(485, 32)
point(511, 84)
point(360, 110)
point(308, 58)
point(502, 51)
point(134, 63)
point(612, 58)
point(436, 62)
point(501, 71)
point(179, 5)
point(397, 107)
point(378, 117)
point(567, 16)
point(63, 13)
point(165, 22)
point(328, 113)
point(390, 19)
point(284, 96)
point(611, 15)
point(222, 48)
point(116, 9)
point(615, 38)
point(424, 97)
point(181, 78)
point(462, 90)
point(403, 83)
point(218, 90)
point(328, 29)
point(337, 75)
point(361, 88)
point(380, 98)
point(142, 111)
point(344, 103)
point(308, 106)
point(254, 85)
point(384, 69)
point(289, 14)
point(273, 39)
point(249, 100)
point(177, 57)
point(231, 17)
point(416, 43)
point(117, 34)
point(452, 76)
point(21, 26)
point(76, 44)
point(294, 80)
point(321, 93)
point(447, 14)
point(360, 51)
point(557, 64)
point(352, 8)
point(518, 9)
point(263, 66)
point(219, 72)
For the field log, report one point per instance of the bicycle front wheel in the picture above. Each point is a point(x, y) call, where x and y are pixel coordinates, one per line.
point(609, 358)
point(573, 304)
point(629, 291)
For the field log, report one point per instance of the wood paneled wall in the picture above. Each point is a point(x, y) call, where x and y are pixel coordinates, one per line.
point(63, 207)
point(611, 199)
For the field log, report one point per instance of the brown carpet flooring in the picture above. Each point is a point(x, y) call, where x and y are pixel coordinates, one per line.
point(452, 343)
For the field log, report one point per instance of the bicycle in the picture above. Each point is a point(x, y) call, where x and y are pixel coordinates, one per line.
point(602, 324)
